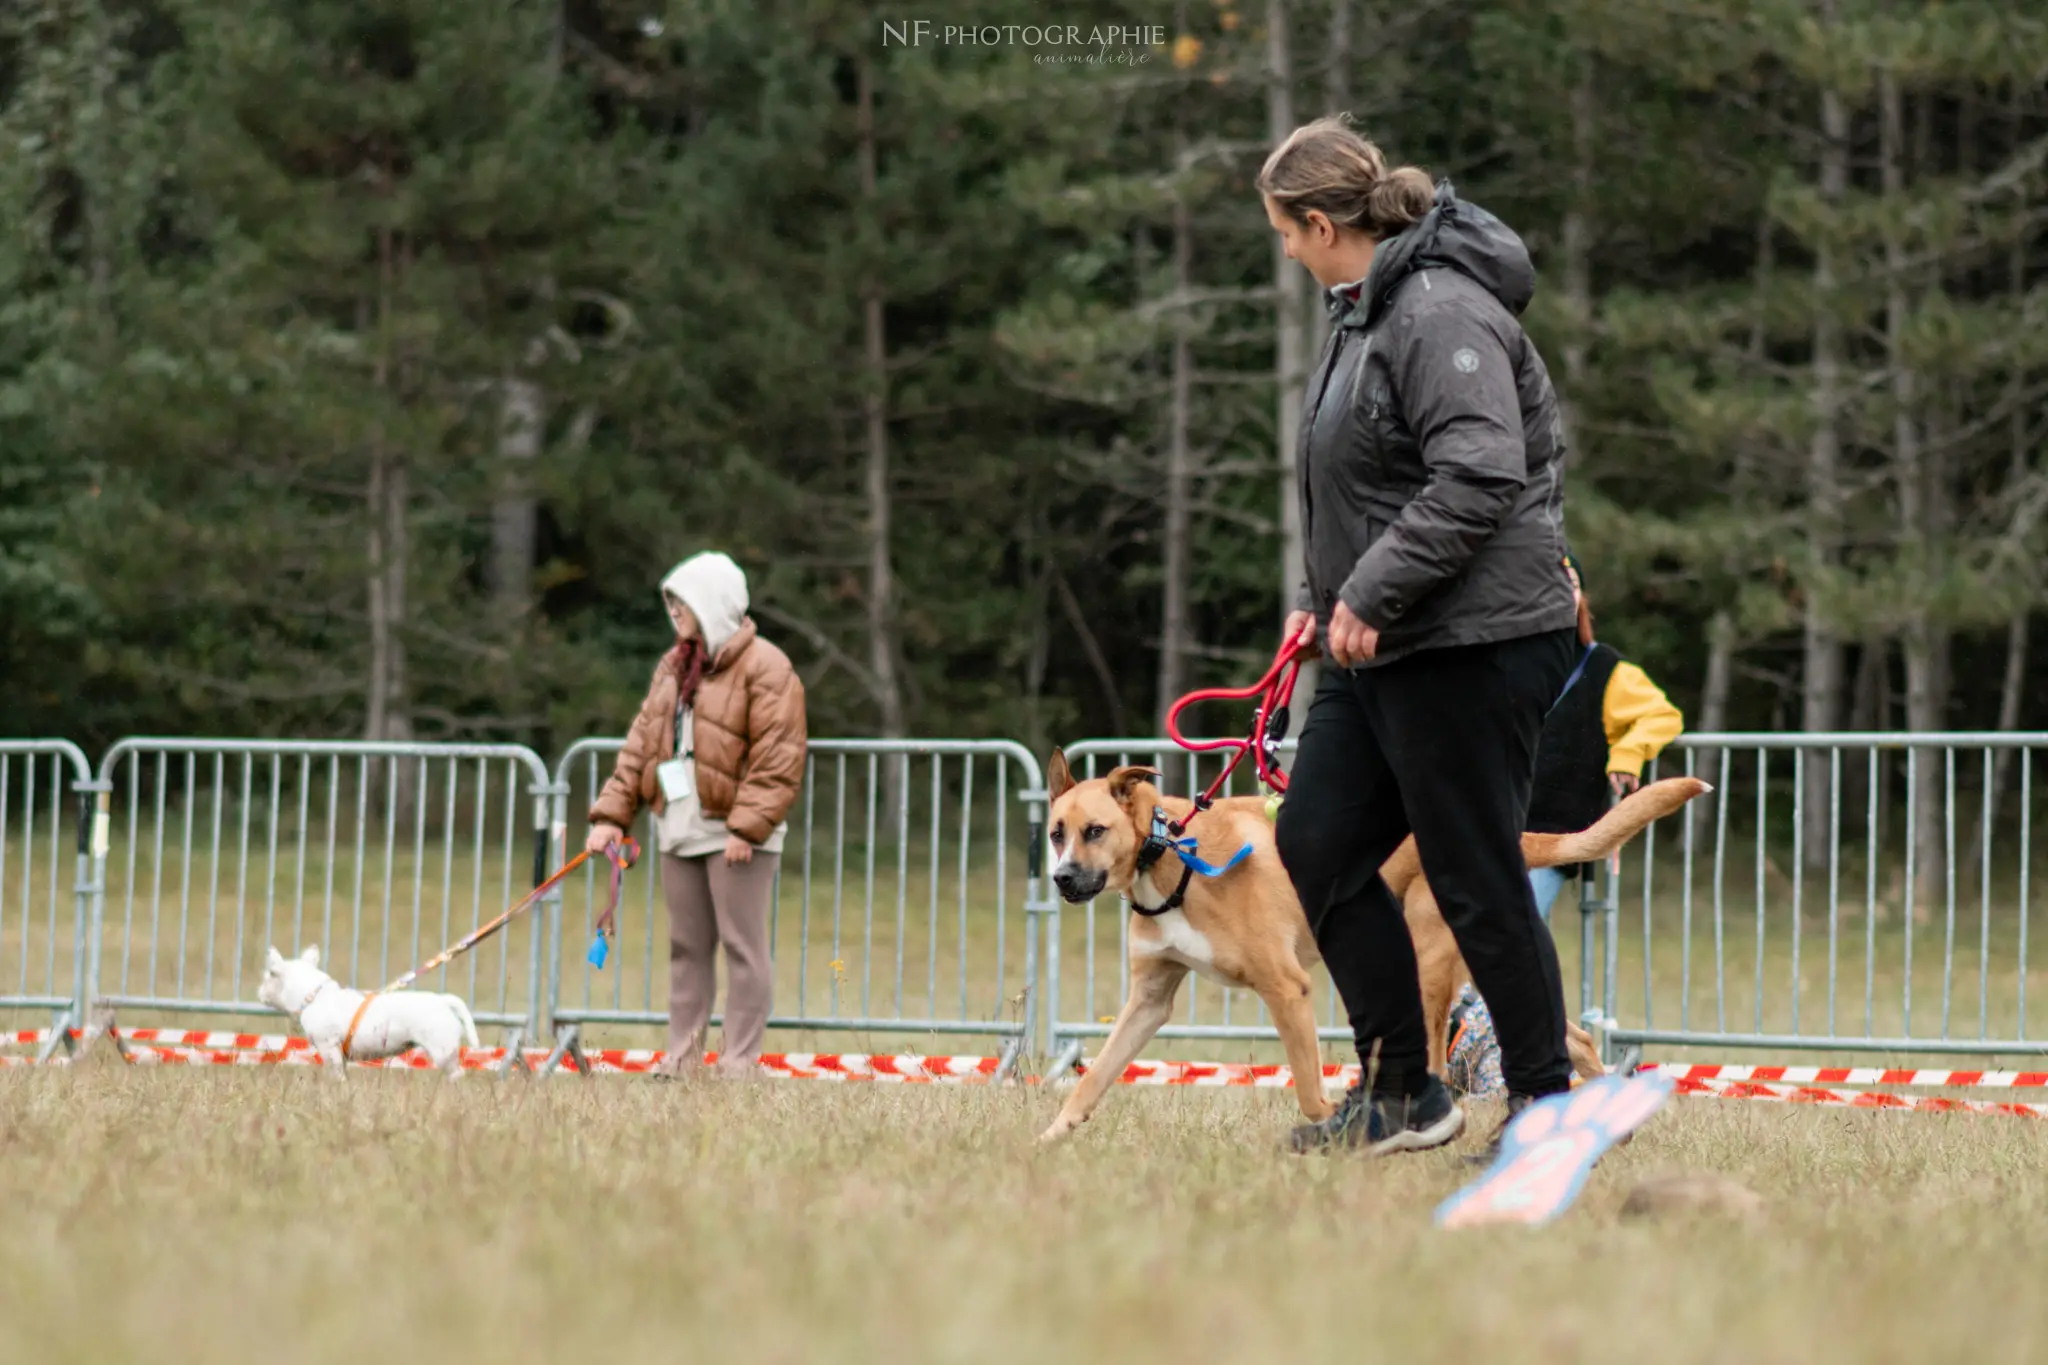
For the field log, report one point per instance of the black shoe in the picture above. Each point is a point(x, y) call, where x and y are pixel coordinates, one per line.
point(1490, 1153)
point(1378, 1124)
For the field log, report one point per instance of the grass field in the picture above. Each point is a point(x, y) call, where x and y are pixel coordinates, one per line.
point(200, 1216)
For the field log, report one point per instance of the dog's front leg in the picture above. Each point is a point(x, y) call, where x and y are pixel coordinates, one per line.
point(331, 1062)
point(1154, 983)
point(1295, 1016)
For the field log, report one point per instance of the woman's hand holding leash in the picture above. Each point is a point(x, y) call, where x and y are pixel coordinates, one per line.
point(1300, 632)
point(603, 835)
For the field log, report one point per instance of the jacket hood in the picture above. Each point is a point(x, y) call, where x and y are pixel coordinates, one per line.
point(1453, 235)
point(715, 590)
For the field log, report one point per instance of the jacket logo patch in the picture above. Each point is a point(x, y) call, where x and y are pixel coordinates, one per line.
point(1466, 359)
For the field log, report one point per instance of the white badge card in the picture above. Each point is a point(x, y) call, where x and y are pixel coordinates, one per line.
point(678, 783)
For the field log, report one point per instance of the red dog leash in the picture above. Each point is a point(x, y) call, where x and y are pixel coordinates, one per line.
point(1274, 691)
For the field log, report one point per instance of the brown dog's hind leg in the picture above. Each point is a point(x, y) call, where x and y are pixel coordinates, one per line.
point(1154, 983)
point(1294, 1015)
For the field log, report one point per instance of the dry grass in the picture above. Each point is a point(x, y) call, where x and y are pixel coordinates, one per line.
point(272, 1215)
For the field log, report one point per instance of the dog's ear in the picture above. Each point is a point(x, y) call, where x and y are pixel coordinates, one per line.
point(1125, 781)
point(1059, 778)
point(311, 957)
point(274, 961)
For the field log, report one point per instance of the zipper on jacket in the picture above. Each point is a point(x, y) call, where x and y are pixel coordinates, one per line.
point(1308, 440)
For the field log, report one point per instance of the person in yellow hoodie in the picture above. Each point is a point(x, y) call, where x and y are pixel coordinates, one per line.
point(1609, 721)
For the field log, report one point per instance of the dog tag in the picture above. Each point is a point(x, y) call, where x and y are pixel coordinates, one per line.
point(677, 781)
point(1548, 1152)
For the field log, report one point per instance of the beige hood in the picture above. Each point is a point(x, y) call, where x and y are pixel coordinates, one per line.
point(715, 590)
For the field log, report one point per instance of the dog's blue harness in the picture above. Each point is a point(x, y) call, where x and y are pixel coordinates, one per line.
point(1163, 840)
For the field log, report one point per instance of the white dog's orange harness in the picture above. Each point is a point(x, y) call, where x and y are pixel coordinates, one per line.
point(348, 1039)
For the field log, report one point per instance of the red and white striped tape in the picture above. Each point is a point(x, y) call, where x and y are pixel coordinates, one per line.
point(1853, 1075)
point(1858, 1099)
point(817, 1066)
point(1781, 1084)
point(1258, 1077)
point(167, 1047)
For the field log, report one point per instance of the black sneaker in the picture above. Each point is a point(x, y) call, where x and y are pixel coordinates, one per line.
point(1490, 1153)
point(1378, 1124)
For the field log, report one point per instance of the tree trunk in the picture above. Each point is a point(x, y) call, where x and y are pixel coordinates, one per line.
point(1291, 286)
point(1916, 550)
point(387, 706)
point(1577, 235)
point(1176, 634)
point(377, 694)
point(1337, 59)
point(2012, 685)
point(1336, 99)
point(1866, 696)
point(1713, 716)
point(1037, 553)
point(1821, 682)
point(515, 513)
point(882, 649)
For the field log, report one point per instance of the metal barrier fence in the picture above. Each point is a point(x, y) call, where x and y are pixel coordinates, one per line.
point(1847, 892)
point(43, 922)
point(210, 851)
point(1839, 892)
point(900, 904)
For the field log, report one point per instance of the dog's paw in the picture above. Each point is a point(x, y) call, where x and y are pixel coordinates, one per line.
point(1058, 1131)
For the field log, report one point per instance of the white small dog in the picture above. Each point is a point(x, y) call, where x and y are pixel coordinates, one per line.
point(391, 1024)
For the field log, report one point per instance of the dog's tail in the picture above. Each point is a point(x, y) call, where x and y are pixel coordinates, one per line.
point(1615, 828)
point(461, 1008)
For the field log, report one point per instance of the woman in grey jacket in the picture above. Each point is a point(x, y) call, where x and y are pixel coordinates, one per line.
point(1431, 499)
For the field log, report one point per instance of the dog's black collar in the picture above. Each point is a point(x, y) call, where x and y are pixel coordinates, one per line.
point(1173, 902)
point(1158, 843)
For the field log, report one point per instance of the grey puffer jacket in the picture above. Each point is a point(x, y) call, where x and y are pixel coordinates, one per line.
point(1431, 462)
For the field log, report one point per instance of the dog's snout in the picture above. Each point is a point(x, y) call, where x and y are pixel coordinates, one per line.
point(1078, 883)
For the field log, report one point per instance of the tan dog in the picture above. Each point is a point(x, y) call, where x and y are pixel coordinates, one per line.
point(1246, 928)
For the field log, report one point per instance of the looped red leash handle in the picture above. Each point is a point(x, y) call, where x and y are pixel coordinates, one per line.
point(1274, 690)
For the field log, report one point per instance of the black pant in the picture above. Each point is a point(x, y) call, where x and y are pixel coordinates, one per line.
point(1443, 744)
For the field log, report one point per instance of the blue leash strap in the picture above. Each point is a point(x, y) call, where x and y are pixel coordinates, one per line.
point(1585, 657)
point(1186, 845)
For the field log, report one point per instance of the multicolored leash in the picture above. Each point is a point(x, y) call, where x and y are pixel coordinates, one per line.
point(621, 859)
point(623, 854)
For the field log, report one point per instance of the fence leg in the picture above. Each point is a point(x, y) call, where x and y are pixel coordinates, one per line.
point(1007, 1061)
point(1592, 909)
point(567, 1044)
point(1631, 1058)
point(100, 1024)
point(60, 1036)
point(515, 1054)
point(1063, 1063)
